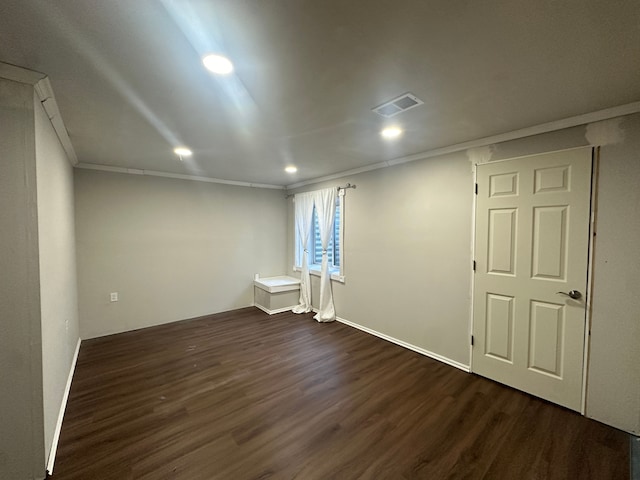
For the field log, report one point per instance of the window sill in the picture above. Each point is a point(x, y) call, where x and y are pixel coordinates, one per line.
point(314, 270)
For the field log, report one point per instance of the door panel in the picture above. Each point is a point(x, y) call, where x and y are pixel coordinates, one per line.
point(549, 242)
point(502, 185)
point(502, 239)
point(532, 239)
point(546, 338)
point(499, 342)
point(554, 179)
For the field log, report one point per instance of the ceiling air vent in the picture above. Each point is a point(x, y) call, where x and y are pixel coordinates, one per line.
point(397, 105)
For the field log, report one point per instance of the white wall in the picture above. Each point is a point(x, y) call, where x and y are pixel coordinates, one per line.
point(21, 424)
point(407, 259)
point(407, 254)
point(614, 366)
point(57, 260)
point(172, 249)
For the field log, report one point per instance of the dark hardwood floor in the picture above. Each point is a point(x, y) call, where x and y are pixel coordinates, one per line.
point(244, 395)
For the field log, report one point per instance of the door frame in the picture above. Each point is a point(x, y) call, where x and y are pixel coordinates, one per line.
point(595, 168)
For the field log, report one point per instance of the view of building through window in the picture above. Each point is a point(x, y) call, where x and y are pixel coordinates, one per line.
point(333, 251)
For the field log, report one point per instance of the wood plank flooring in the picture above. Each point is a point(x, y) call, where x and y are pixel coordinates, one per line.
point(243, 395)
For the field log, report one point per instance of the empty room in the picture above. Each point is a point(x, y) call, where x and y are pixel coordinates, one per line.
point(276, 239)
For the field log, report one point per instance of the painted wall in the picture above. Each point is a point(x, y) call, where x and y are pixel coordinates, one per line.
point(172, 249)
point(613, 394)
point(408, 236)
point(407, 254)
point(22, 454)
point(57, 261)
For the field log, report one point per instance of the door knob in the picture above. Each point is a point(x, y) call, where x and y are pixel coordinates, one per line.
point(575, 294)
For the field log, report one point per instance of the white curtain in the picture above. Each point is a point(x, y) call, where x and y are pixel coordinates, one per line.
point(325, 202)
point(304, 218)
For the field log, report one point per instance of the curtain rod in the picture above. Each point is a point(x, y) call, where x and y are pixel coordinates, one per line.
point(348, 185)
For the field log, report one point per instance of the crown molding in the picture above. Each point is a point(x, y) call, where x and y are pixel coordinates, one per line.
point(44, 91)
point(45, 94)
point(195, 178)
point(606, 114)
point(19, 74)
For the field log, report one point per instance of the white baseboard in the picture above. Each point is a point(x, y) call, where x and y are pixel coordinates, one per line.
point(277, 310)
point(63, 406)
point(422, 351)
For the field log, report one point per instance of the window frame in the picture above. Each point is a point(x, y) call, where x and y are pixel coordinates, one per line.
point(337, 272)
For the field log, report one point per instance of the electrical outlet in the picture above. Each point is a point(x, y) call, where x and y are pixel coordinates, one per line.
point(114, 296)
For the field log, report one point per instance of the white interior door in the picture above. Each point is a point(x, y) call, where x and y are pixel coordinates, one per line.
point(532, 240)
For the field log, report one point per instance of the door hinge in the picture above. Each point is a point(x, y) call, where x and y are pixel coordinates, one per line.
point(476, 188)
point(472, 340)
point(474, 265)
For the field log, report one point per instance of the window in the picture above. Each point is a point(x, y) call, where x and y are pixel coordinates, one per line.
point(334, 251)
point(315, 252)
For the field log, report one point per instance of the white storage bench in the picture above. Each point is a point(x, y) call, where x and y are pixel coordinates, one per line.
point(276, 294)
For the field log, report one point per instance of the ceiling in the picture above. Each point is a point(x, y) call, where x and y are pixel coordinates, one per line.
point(130, 84)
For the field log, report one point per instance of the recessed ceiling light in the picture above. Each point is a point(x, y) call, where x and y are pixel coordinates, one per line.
point(291, 169)
point(391, 132)
point(182, 152)
point(218, 64)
